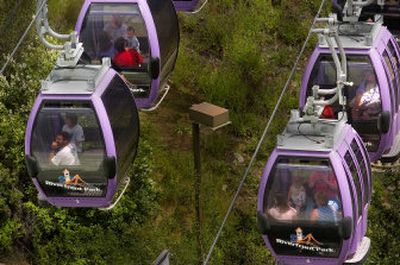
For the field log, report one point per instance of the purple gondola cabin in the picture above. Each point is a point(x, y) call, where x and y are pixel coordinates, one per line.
point(82, 136)
point(151, 33)
point(314, 194)
point(373, 102)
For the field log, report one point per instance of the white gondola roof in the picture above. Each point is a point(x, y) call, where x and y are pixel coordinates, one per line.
point(83, 79)
point(361, 35)
point(321, 136)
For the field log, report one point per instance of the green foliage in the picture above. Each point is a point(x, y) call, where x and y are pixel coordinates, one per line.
point(235, 53)
point(51, 235)
point(13, 22)
point(384, 217)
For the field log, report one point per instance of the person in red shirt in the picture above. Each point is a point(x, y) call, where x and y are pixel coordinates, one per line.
point(126, 57)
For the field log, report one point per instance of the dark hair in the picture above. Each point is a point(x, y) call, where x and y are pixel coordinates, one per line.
point(65, 135)
point(120, 44)
point(73, 117)
point(130, 28)
point(281, 200)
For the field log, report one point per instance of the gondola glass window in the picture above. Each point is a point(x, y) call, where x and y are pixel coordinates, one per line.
point(303, 204)
point(68, 146)
point(116, 31)
point(363, 98)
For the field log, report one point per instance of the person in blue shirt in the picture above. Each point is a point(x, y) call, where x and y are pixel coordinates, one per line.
point(323, 211)
point(133, 41)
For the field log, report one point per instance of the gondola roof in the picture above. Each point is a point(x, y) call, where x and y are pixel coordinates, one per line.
point(84, 79)
point(319, 137)
point(362, 35)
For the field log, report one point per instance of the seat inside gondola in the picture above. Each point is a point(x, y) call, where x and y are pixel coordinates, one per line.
point(72, 130)
point(363, 105)
point(102, 29)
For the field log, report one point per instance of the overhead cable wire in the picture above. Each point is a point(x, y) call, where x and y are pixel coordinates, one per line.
point(9, 58)
point(246, 173)
point(200, 8)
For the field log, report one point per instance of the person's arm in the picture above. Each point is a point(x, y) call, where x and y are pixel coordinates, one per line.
point(314, 215)
point(139, 58)
point(54, 146)
point(80, 137)
point(290, 194)
point(56, 159)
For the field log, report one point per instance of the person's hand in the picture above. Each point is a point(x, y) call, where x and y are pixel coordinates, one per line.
point(54, 145)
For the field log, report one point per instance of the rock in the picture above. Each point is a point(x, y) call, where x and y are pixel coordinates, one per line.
point(238, 158)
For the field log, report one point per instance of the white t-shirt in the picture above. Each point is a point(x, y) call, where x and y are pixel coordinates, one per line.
point(77, 135)
point(67, 156)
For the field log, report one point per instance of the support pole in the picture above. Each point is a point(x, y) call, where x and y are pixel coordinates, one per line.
point(197, 189)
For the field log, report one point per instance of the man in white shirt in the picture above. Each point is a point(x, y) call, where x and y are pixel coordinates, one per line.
point(72, 127)
point(63, 152)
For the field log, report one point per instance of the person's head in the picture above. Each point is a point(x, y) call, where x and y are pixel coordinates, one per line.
point(71, 119)
point(370, 77)
point(297, 180)
point(131, 32)
point(281, 200)
point(63, 139)
point(120, 44)
point(321, 198)
point(117, 21)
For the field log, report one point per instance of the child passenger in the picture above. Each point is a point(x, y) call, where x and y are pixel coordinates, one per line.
point(297, 194)
point(282, 210)
point(133, 41)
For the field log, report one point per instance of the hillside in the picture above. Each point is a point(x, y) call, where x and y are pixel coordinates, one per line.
point(236, 54)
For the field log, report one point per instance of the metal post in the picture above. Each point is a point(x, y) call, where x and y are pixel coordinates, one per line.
point(197, 188)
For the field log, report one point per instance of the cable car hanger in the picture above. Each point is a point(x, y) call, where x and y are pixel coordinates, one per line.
point(71, 51)
point(350, 10)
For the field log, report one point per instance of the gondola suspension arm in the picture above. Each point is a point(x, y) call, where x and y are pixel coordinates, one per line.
point(72, 50)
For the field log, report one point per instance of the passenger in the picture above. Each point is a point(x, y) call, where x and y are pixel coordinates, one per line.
point(325, 182)
point(126, 58)
point(282, 210)
point(133, 41)
point(297, 194)
point(72, 127)
point(106, 46)
point(367, 102)
point(323, 212)
point(116, 28)
point(63, 152)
